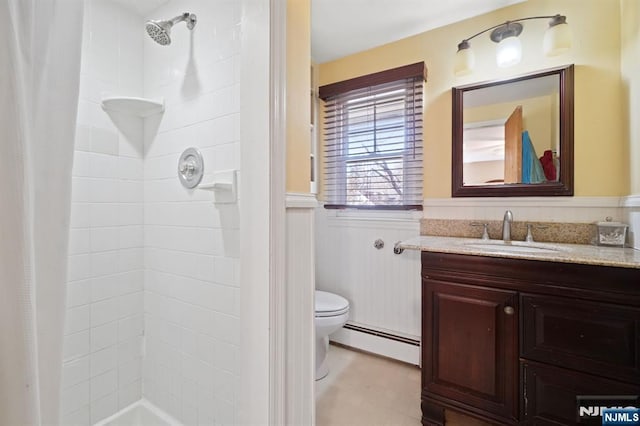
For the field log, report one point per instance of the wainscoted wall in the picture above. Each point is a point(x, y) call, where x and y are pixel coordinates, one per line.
point(632, 217)
point(548, 209)
point(192, 246)
point(103, 334)
point(541, 209)
point(300, 334)
point(383, 288)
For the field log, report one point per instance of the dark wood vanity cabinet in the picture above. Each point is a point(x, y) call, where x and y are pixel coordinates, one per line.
point(513, 341)
point(474, 356)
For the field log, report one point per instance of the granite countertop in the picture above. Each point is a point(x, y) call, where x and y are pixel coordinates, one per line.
point(550, 252)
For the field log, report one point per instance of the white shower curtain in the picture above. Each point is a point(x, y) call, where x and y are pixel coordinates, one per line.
point(40, 49)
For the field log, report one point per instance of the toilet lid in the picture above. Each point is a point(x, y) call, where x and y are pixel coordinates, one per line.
point(329, 304)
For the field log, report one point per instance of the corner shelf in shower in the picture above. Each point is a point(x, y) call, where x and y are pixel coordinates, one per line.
point(141, 107)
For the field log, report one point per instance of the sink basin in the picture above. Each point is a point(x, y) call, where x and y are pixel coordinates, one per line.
point(514, 246)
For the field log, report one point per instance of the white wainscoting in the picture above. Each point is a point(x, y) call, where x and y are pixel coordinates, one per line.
point(300, 310)
point(383, 288)
point(552, 209)
point(631, 206)
point(543, 209)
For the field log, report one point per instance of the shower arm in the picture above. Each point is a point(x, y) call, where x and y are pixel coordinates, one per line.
point(189, 18)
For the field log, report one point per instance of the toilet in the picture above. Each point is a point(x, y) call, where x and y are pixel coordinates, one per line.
point(332, 312)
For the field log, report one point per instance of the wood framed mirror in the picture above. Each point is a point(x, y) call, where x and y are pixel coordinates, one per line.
point(514, 137)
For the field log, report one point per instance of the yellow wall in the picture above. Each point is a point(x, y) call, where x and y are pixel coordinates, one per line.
point(298, 88)
point(630, 47)
point(601, 144)
point(537, 115)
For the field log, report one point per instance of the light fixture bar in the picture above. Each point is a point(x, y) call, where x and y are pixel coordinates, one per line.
point(510, 29)
point(555, 20)
point(557, 40)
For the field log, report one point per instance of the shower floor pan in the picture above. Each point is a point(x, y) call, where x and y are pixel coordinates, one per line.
point(140, 413)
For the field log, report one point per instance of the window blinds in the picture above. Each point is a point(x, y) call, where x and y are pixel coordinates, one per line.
point(373, 140)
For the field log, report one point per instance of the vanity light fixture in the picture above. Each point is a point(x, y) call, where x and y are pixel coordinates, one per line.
point(557, 39)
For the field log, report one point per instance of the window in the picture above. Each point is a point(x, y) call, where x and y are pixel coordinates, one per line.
point(373, 140)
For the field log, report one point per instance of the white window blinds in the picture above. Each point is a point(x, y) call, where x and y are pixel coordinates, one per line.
point(373, 140)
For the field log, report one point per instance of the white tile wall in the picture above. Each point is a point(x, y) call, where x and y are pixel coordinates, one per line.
point(191, 251)
point(148, 257)
point(102, 347)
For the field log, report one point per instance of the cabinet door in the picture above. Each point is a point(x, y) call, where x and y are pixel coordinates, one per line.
point(471, 346)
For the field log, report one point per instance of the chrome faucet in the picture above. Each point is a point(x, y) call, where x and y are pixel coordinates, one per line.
point(506, 226)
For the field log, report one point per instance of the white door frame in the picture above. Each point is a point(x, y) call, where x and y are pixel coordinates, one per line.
point(277, 262)
point(265, 355)
point(261, 200)
point(291, 288)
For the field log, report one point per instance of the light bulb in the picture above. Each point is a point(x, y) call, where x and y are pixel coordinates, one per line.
point(465, 60)
point(508, 52)
point(557, 39)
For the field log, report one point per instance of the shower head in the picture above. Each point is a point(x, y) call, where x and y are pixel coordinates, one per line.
point(160, 31)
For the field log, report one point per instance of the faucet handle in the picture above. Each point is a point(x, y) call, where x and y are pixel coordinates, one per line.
point(529, 237)
point(485, 231)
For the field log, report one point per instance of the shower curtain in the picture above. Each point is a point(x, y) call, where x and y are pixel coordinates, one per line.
point(40, 49)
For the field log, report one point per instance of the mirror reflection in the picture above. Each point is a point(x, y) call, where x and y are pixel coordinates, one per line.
point(511, 133)
point(514, 137)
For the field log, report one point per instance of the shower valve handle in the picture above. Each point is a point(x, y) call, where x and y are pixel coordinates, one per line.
point(188, 168)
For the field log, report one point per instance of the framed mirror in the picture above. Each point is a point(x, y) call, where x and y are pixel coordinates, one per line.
point(514, 137)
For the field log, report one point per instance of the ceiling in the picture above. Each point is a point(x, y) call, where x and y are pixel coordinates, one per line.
point(343, 27)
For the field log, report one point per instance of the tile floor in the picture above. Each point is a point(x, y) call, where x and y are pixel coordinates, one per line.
point(363, 389)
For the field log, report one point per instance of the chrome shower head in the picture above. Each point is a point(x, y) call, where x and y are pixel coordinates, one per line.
point(160, 31)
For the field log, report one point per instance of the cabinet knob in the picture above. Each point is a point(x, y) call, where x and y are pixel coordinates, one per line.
point(509, 310)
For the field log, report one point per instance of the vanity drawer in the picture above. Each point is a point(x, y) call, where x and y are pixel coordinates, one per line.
point(596, 338)
point(549, 394)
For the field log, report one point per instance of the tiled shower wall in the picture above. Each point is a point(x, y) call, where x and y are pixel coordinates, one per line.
point(103, 334)
point(135, 228)
point(192, 245)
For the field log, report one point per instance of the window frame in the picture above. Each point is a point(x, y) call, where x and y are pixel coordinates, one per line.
point(334, 91)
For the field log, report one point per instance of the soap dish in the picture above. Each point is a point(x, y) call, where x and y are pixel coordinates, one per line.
point(611, 234)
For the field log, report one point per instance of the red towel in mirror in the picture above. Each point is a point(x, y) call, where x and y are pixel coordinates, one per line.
point(547, 165)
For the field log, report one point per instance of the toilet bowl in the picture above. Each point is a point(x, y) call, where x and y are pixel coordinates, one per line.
point(332, 312)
